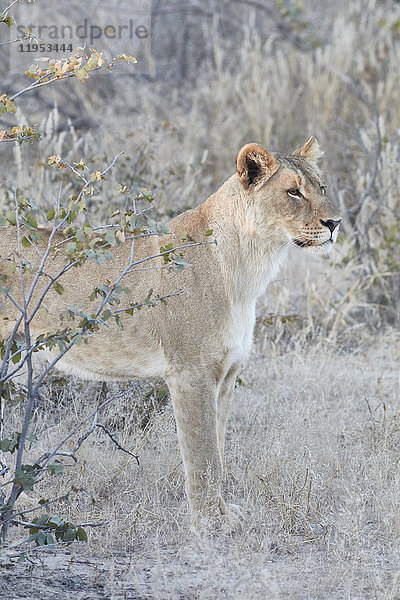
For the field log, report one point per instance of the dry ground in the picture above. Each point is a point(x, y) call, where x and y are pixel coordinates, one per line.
point(312, 458)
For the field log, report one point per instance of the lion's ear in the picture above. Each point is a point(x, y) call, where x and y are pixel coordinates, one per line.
point(310, 151)
point(253, 164)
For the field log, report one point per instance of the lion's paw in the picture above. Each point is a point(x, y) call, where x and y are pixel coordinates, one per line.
point(219, 517)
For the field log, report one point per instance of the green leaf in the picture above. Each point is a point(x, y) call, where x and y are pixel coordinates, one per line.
point(42, 520)
point(69, 535)
point(88, 230)
point(56, 468)
point(81, 535)
point(11, 217)
point(81, 74)
point(110, 238)
point(71, 247)
point(58, 287)
point(209, 232)
point(10, 106)
point(10, 444)
point(16, 358)
point(8, 20)
point(26, 242)
point(3, 221)
point(91, 63)
point(40, 539)
point(106, 315)
point(31, 221)
point(11, 268)
point(50, 215)
point(80, 235)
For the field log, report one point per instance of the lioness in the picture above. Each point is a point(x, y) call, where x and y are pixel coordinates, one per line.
point(197, 340)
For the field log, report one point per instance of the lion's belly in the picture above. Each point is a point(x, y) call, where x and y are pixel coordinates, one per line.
point(112, 363)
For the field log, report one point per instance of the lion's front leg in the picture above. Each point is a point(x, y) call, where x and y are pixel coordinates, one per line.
point(194, 399)
point(224, 402)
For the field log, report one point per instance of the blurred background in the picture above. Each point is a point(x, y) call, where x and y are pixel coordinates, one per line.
point(212, 76)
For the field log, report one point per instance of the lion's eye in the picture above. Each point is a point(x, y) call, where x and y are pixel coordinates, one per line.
point(323, 189)
point(295, 193)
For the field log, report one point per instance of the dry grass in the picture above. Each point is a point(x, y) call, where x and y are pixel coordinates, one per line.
point(312, 451)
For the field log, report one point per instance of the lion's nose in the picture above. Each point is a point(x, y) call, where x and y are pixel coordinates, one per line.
point(330, 224)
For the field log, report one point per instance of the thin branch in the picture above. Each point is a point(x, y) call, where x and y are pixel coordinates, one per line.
point(46, 289)
point(31, 396)
point(39, 82)
point(100, 524)
point(27, 524)
point(44, 548)
point(32, 86)
point(50, 528)
point(113, 439)
point(5, 293)
point(45, 504)
point(157, 299)
point(191, 245)
point(110, 166)
point(138, 262)
point(9, 7)
point(49, 455)
point(26, 137)
point(66, 453)
point(86, 434)
point(4, 469)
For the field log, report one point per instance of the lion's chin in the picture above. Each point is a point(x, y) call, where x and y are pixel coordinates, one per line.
point(323, 249)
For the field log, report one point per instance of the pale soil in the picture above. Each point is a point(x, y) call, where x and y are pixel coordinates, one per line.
point(312, 457)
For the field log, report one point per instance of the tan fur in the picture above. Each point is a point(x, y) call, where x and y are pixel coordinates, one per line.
point(198, 340)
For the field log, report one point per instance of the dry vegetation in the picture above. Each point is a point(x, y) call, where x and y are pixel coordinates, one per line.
point(314, 437)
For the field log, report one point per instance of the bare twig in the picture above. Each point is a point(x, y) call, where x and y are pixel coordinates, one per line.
point(36, 549)
point(86, 434)
point(49, 528)
point(44, 505)
point(9, 7)
point(31, 396)
point(45, 458)
point(100, 524)
point(30, 87)
point(26, 137)
point(113, 439)
point(157, 299)
point(3, 468)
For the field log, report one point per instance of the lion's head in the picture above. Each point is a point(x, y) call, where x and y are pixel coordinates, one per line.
point(288, 195)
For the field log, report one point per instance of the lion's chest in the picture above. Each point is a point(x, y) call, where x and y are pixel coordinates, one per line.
point(238, 336)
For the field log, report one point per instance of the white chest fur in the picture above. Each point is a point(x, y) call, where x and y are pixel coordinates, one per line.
point(238, 335)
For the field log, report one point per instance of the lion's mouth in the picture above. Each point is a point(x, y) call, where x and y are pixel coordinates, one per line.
point(303, 244)
point(309, 243)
